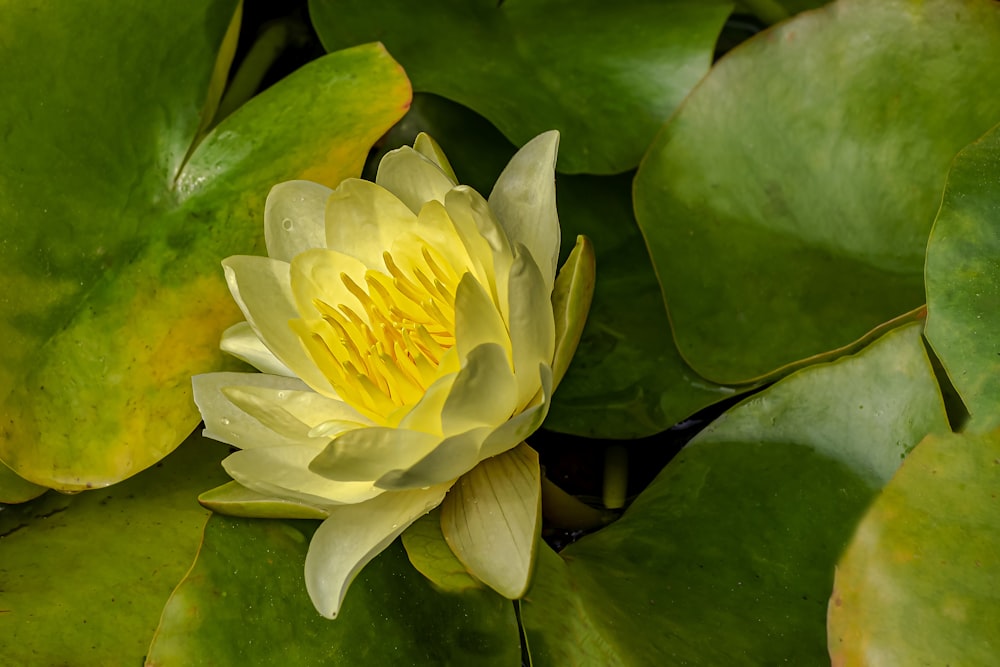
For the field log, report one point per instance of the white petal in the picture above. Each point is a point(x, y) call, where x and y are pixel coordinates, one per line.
point(491, 520)
point(532, 324)
point(369, 453)
point(240, 341)
point(413, 178)
point(283, 472)
point(262, 289)
point(363, 219)
point(353, 535)
point(227, 423)
point(293, 413)
point(524, 201)
point(293, 218)
point(484, 392)
point(450, 459)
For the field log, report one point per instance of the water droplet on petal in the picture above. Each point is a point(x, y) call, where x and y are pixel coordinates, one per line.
point(225, 421)
point(282, 395)
point(287, 224)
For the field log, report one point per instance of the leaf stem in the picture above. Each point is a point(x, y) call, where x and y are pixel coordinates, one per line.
point(566, 512)
point(615, 477)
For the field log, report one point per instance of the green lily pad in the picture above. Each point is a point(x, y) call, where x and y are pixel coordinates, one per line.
point(605, 75)
point(727, 557)
point(918, 584)
point(963, 280)
point(773, 11)
point(16, 489)
point(84, 577)
point(115, 224)
point(245, 602)
point(787, 204)
point(627, 379)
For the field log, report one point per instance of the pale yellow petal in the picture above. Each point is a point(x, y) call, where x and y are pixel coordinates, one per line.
point(571, 297)
point(451, 458)
point(491, 517)
point(234, 499)
point(353, 535)
point(524, 201)
point(413, 178)
point(283, 472)
point(262, 289)
point(369, 453)
point(227, 423)
point(294, 218)
point(485, 240)
point(426, 414)
point(293, 413)
point(484, 392)
point(518, 428)
point(426, 146)
point(477, 320)
point(242, 342)
point(532, 325)
point(363, 219)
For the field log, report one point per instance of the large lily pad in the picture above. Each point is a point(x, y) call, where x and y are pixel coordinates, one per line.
point(787, 204)
point(727, 557)
point(245, 602)
point(918, 584)
point(115, 224)
point(83, 578)
point(606, 75)
point(627, 379)
point(963, 280)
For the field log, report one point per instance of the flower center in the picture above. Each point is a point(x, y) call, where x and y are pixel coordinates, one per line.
point(388, 355)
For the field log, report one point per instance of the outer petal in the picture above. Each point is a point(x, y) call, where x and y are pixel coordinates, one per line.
point(227, 423)
point(363, 219)
point(367, 454)
point(532, 324)
point(262, 289)
point(524, 201)
point(426, 146)
point(477, 320)
point(294, 218)
point(283, 472)
point(292, 412)
point(240, 341)
point(450, 459)
point(571, 297)
point(353, 535)
point(484, 393)
point(234, 499)
point(413, 178)
point(491, 520)
point(523, 425)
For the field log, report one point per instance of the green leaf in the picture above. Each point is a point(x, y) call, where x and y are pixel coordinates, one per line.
point(787, 204)
point(918, 583)
point(727, 557)
point(84, 577)
point(114, 228)
point(963, 280)
point(626, 379)
point(245, 602)
point(16, 489)
point(432, 557)
point(606, 76)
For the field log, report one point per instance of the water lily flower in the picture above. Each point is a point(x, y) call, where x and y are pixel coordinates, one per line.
point(409, 335)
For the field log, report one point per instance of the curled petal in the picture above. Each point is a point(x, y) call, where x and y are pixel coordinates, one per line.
point(240, 341)
point(518, 428)
point(354, 534)
point(293, 218)
point(450, 459)
point(367, 454)
point(484, 392)
point(426, 146)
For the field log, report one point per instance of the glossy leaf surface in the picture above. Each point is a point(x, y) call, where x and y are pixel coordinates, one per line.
point(245, 602)
point(738, 536)
point(83, 578)
point(115, 223)
point(918, 584)
point(606, 77)
point(787, 204)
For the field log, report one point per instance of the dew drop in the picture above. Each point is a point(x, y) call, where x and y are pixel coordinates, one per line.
point(282, 395)
point(225, 421)
point(287, 224)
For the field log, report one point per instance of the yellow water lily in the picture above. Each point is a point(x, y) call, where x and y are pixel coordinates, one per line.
point(410, 334)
